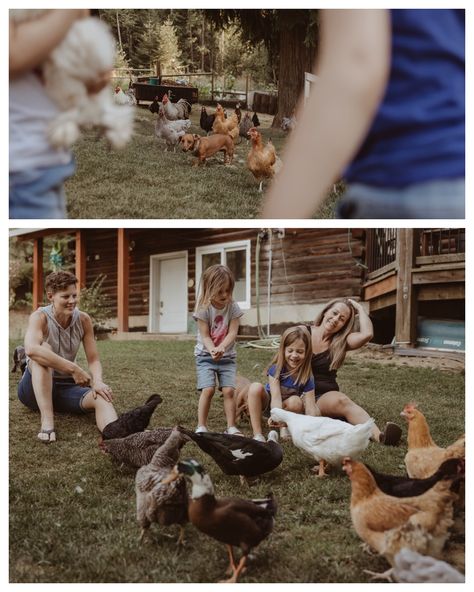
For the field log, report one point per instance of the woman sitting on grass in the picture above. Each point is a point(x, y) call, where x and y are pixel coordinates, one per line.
point(52, 380)
point(332, 336)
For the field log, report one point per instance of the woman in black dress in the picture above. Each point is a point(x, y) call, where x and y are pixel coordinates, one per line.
point(332, 336)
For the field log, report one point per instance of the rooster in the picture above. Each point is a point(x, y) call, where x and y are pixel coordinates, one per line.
point(224, 126)
point(388, 524)
point(170, 131)
point(262, 161)
point(174, 111)
point(424, 456)
point(206, 120)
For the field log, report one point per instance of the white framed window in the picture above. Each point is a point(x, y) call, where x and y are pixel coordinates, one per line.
point(236, 255)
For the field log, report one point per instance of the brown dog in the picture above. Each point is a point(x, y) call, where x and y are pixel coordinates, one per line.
point(205, 146)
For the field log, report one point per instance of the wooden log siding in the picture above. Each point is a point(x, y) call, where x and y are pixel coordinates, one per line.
point(319, 264)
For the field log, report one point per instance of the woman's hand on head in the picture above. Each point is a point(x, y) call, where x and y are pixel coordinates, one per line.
point(357, 305)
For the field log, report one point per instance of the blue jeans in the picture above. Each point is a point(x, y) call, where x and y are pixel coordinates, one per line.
point(208, 369)
point(67, 395)
point(39, 193)
point(434, 199)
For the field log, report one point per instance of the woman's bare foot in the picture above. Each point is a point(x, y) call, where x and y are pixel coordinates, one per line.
point(47, 436)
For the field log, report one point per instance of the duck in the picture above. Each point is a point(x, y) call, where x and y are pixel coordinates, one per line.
point(239, 455)
point(135, 420)
point(327, 440)
point(233, 521)
point(163, 503)
point(135, 450)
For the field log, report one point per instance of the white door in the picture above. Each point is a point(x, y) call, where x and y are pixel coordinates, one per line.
point(169, 294)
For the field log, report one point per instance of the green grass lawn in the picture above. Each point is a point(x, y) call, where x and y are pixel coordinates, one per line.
point(144, 181)
point(58, 534)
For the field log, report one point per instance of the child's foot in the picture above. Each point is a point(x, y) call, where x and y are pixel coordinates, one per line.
point(233, 431)
point(47, 436)
point(259, 438)
point(201, 430)
point(285, 434)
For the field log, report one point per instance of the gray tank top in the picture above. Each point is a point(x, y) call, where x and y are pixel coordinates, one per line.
point(64, 342)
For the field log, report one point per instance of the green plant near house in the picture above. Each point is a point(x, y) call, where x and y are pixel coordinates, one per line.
point(95, 303)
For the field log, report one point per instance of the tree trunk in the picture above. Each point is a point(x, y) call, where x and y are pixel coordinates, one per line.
point(295, 60)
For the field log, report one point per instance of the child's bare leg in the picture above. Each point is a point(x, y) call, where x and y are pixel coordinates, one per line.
point(104, 410)
point(42, 380)
point(205, 404)
point(257, 400)
point(229, 405)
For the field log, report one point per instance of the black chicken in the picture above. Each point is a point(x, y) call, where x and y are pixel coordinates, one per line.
point(255, 120)
point(398, 486)
point(238, 455)
point(130, 422)
point(206, 121)
point(155, 106)
point(238, 112)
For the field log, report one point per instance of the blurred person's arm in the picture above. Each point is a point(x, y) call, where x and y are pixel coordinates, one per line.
point(352, 71)
point(32, 41)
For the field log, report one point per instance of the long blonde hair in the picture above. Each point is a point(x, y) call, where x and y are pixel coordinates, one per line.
point(338, 344)
point(289, 337)
point(213, 279)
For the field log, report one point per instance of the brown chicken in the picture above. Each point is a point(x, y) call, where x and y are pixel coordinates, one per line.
point(222, 125)
point(388, 524)
point(424, 456)
point(262, 161)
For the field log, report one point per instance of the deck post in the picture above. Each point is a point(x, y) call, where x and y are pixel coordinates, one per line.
point(122, 279)
point(406, 308)
point(38, 281)
point(80, 259)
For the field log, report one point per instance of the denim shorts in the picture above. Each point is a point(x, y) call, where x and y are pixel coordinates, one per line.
point(434, 199)
point(208, 369)
point(39, 193)
point(67, 395)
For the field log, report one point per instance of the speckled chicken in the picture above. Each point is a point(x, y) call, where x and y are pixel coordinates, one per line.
point(163, 503)
point(137, 449)
point(424, 456)
point(135, 420)
point(388, 524)
point(411, 567)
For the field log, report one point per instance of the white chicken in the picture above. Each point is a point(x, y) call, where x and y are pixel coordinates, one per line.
point(174, 111)
point(325, 439)
point(121, 98)
point(170, 131)
point(411, 567)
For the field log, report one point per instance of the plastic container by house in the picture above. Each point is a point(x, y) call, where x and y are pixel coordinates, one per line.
point(154, 81)
point(441, 334)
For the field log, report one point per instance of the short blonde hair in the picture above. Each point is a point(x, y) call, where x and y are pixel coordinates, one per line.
point(213, 279)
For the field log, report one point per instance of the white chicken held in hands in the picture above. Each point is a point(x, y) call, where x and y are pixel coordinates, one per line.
point(325, 439)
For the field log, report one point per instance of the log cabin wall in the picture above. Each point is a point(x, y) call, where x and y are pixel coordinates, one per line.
point(308, 265)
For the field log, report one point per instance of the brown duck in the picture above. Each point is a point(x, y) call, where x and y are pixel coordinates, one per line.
point(233, 521)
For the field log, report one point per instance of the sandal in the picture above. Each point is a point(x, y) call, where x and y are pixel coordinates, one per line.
point(49, 433)
point(391, 434)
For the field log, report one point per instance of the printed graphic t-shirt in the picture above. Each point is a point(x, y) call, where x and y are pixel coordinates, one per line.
point(218, 321)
